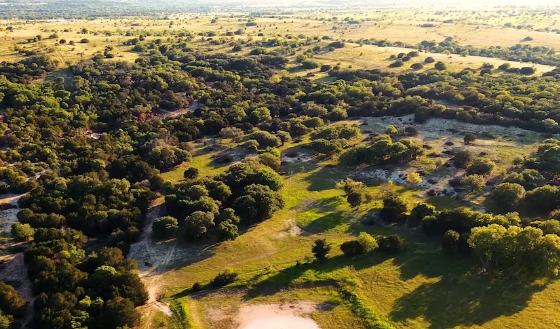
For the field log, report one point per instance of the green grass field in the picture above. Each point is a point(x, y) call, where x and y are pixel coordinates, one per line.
point(418, 288)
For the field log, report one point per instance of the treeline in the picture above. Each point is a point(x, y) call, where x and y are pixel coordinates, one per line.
point(517, 53)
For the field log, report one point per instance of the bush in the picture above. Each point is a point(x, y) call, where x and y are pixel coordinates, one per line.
point(227, 276)
point(165, 227)
point(440, 66)
point(417, 66)
point(351, 248)
point(367, 242)
point(418, 213)
point(481, 166)
point(326, 67)
point(22, 232)
point(394, 209)
point(391, 244)
point(474, 182)
point(450, 240)
point(462, 159)
point(190, 173)
point(507, 195)
point(321, 249)
point(469, 138)
point(309, 64)
point(429, 60)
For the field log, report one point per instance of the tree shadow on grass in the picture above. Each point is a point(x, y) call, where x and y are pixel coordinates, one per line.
point(468, 299)
point(462, 296)
point(315, 274)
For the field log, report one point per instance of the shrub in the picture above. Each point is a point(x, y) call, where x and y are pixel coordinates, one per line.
point(391, 243)
point(429, 60)
point(417, 66)
point(462, 159)
point(394, 209)
point(367, 242)
point(507, 195)
point(481, 166)
point(321, 249)
point(440, 66)
point(22, 232)
point(190, 173)
point(226, 277)
point(351, 248)
point(450, 240)
point(469, 138)
point(474, 182)
point(418, 213)
point(165, 227)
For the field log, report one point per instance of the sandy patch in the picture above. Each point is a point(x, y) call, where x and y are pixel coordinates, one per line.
point(437, 128)
point(291, 228)
point(277, 316)
point(9, 216)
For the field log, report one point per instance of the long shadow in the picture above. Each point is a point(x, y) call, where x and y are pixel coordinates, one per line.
point(462, 296)
point(292, 276)
point(465, 300)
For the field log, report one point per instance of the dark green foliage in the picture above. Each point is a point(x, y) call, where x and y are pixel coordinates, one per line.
point(440, 66)
point(528, 178)
point(190, 173)
point(481, 166)
point(418, 213)
point(165, 227)
point(544, 198)
point(469, 138)
point(382, 150)
point(321, 249)
point(390, 244)
point(507, 195)
point(10, 302)
point(394, 209)
point(351, 248)
point(355, 199)
point(450, 241)
point(462, 159)
point(226, 277)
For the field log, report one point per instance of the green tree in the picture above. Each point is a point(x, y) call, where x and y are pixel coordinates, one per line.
point(321, 249)
point(22, 232)
point(462, 159)
point(165, 227)
point(481, 166)
point(394, 209)
point(507, 195)
point(191, 173)
point(474, 182)
point(469, 138)
point(367, 242)
point(418, 213)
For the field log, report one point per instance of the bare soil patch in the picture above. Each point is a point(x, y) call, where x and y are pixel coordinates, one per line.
point(277, 316)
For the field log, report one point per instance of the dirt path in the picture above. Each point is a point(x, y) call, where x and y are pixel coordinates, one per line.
point(153, 261)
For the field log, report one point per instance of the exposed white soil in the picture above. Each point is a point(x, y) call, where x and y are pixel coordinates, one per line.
point(277, 316)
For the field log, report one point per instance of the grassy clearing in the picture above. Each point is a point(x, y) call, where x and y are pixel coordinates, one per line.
point(418, 288)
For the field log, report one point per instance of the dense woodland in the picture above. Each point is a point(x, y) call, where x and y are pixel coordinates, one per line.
point(99, 142)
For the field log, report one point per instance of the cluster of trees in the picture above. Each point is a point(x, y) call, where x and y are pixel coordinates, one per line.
point(382, 150)
point(498, 241)
point(213, 207)
point(100, 290)
point(12, 307)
